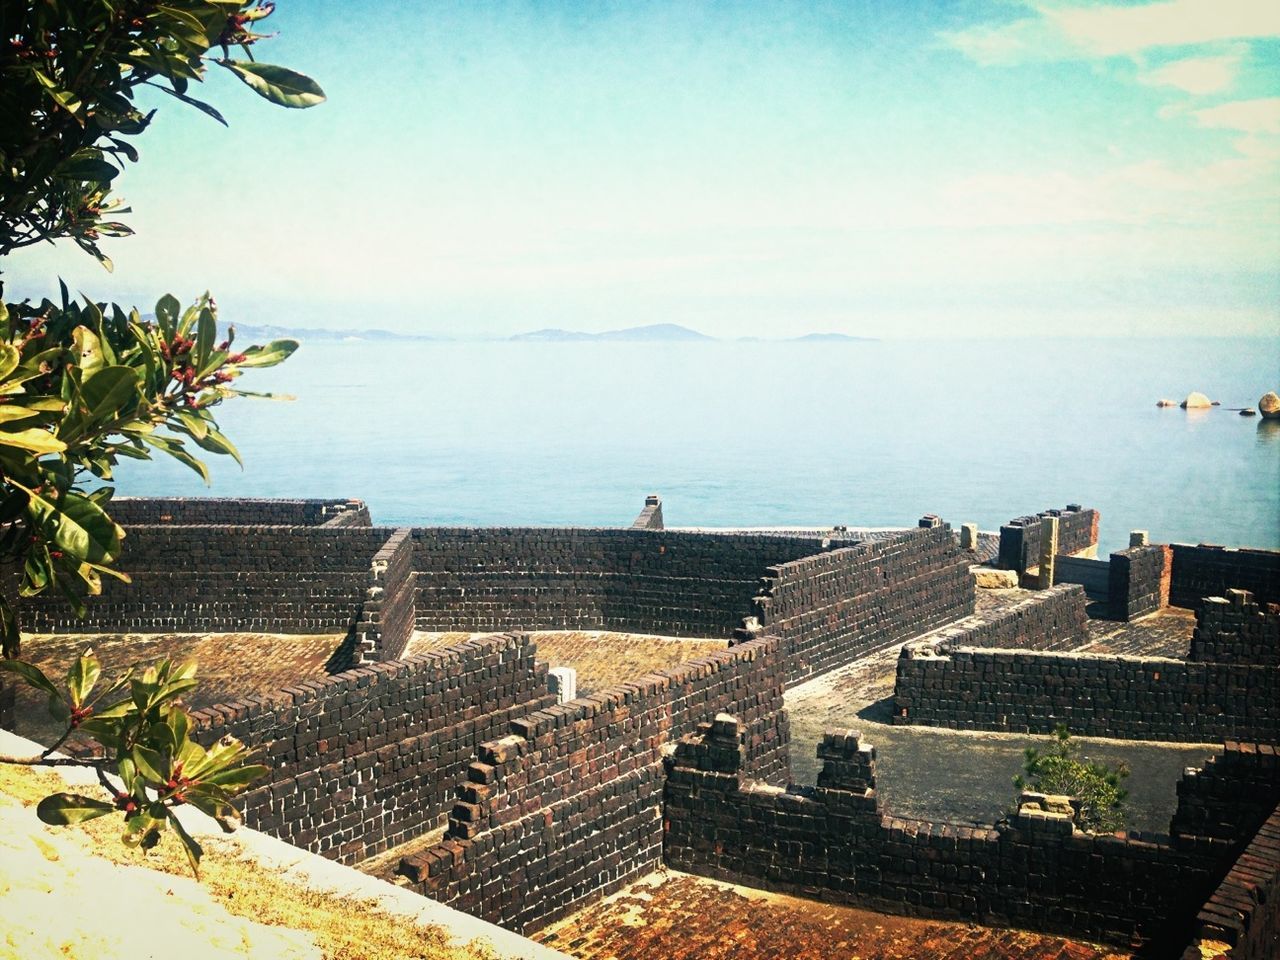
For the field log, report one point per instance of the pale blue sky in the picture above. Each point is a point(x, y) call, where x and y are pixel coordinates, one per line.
point(883, 169)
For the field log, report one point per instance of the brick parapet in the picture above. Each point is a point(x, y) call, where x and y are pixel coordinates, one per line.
point(1204, 570)
point(1020, 537)
point(368, 758)
point(388, 614)
point(1230, 796)
point(1235, 629)
point(206, 511)
point(835, 843)
point(569, 801)
point(1053, 619)
point(833, 607)
point(1139, 581)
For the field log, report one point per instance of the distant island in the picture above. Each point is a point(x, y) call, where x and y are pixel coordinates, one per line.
point(664, 332)
point(652, 333)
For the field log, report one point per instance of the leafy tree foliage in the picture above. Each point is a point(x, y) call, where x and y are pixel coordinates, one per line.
point(1060, 769)
point(83, 384)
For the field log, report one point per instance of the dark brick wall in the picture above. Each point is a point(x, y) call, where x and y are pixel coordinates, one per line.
point(388, 616)
point(1100, 696)
point(1052, 619)
point(276, 579)
point(1234, 629)
point(1208, 571)
point(831, 608)
point(1140, 579)
point(833, 842)
point(369, 758)
point(1020, 537)
point(1230, 796)
point(566, 809)
point(1244, 910)
point(678, 584)
point(205, 511)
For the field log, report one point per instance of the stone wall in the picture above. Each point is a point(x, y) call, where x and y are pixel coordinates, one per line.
point(566, 808)
point(268, 579)
point(1020, 537)
point(1234, 629)
point(643, 581)
point(833, 842)
point(1243, 913)
point(1208, 571)
point(1052, 619)
point(1139, 581)
point(206, 511)
point(388, 616)
point(831, 608)
point(369, 758)
point(1131, 698)
point(1231, 794)
point(651, 516)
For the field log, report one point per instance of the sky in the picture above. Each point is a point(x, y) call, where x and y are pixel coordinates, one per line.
point(885, 169)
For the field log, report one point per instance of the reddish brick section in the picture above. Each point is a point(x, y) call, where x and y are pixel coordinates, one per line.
point(567, 807)
point(1244, 912)
point(368, 758)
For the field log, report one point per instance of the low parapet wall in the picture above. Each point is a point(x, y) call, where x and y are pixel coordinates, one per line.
point(567, 808)
point(1203, 570)
point(290, 579)
point(1234, 629)
point(643, 581)
point(218, 511)
point(1230, 796)
point(366, 759)
point(1020, 537)
point(1052, 619)
point(834, 842)
point(828, 610)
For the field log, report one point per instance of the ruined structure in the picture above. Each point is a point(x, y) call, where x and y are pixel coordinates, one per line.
point(520, 808)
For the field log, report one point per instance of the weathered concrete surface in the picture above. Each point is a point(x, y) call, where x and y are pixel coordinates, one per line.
point(960, 776)
point(681, 917)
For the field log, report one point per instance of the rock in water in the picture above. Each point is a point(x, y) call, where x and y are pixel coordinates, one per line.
point(1166, 403)
point(1269, 406)
point(1248, 412)
point(1196, 401)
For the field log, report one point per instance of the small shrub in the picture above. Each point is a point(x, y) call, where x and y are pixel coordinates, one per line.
point(1060, 769)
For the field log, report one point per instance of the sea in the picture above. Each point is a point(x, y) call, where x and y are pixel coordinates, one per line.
point(762, 433)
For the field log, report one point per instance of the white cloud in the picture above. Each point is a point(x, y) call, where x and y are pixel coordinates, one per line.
point(1249, 116)
point(1197, 75)
point(1063, 32)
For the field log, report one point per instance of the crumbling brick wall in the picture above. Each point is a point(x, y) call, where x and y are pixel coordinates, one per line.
point(1203, 570)
point(566, 808)
point(834, 607)
point(369, 758)
point(835, 842)
point(1230, 796)
point(1234, 629)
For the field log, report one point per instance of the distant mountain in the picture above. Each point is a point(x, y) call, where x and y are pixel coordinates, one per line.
point(652, 333)
point(831, 338)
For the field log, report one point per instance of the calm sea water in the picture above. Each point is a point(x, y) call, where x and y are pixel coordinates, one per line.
point(765, 433)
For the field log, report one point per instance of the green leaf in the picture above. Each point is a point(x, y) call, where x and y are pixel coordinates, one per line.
point(61, 809)
point(268, 355)
point(192, 849)
point(83, 675)
point(9, 357)
point(32, 674)
point(64, 98)
point(88, 348)
point(215, 442)
point(167, 311)
point(38, 441)
point(150, 765)
point(80, 528)
point(280, 85)
point(194, 423)
point(89, 169)
point(235, 779)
